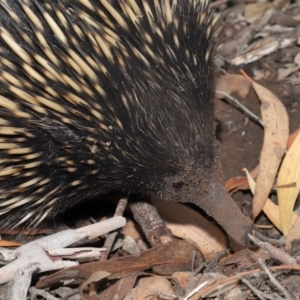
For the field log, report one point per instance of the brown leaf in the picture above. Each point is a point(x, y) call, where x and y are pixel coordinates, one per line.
point(119, 290)
point(178, 255)
point(238, 183)
point(245, 258)
point(186, 223)
point(292, 137)
point(182, 278)
point(4, 243)
point(231, 83)
point(150, 287)
point(95, 277)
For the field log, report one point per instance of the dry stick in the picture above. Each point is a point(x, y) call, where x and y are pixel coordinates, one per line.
point(38, 292)
point(110, 238)
point(257, 292)
point(235, 102)
point(20, 284)
point(234, 278)
point(275, 282)
point(275, 253)
point(154, 228)
point(280, 242)
point(208, 264)
point(199, 287)
point(67, 297)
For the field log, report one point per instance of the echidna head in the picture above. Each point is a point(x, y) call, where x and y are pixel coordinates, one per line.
point(205, 189)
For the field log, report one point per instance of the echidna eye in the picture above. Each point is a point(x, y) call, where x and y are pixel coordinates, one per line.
point(178, 184)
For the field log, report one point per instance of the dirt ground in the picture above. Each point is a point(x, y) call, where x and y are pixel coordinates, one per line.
point(241, 138)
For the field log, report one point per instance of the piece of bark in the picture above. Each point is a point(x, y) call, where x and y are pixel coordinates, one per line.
point(154, 228)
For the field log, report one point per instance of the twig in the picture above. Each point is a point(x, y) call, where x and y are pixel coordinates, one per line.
point(208, 264)
point(258, 293)
point(18, 287)
point(280, 242)
point(34, 291)
point(275, 253)
point(154, 228)
point(198, 288)
point(209, 289)
point(35, 252)
point(233, 101)
point(112, 236)
point(275, 282)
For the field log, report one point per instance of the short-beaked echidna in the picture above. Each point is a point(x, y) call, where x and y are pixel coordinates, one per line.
point(108, 95)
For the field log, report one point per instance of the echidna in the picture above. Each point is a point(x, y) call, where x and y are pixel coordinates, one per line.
point(108, 95)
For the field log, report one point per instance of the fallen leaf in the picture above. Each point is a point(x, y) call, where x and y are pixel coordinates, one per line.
point(276, 133)
point(150, 287)
point(177, 255)
point(5, 243)
point(233, 83)
point(282, 74)
point(186, 223)
point(212, 278)
point(245, 258)
point(238, 183)
point(289, 173)
point(182, 278)
point(254, 11)
point(270, 208)
point(292, 137)
point(95, 277)
point(120, 289)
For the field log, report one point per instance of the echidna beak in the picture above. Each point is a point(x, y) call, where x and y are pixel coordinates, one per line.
point(212, 198)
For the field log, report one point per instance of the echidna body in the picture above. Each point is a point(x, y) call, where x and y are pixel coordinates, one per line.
point(100, 96)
